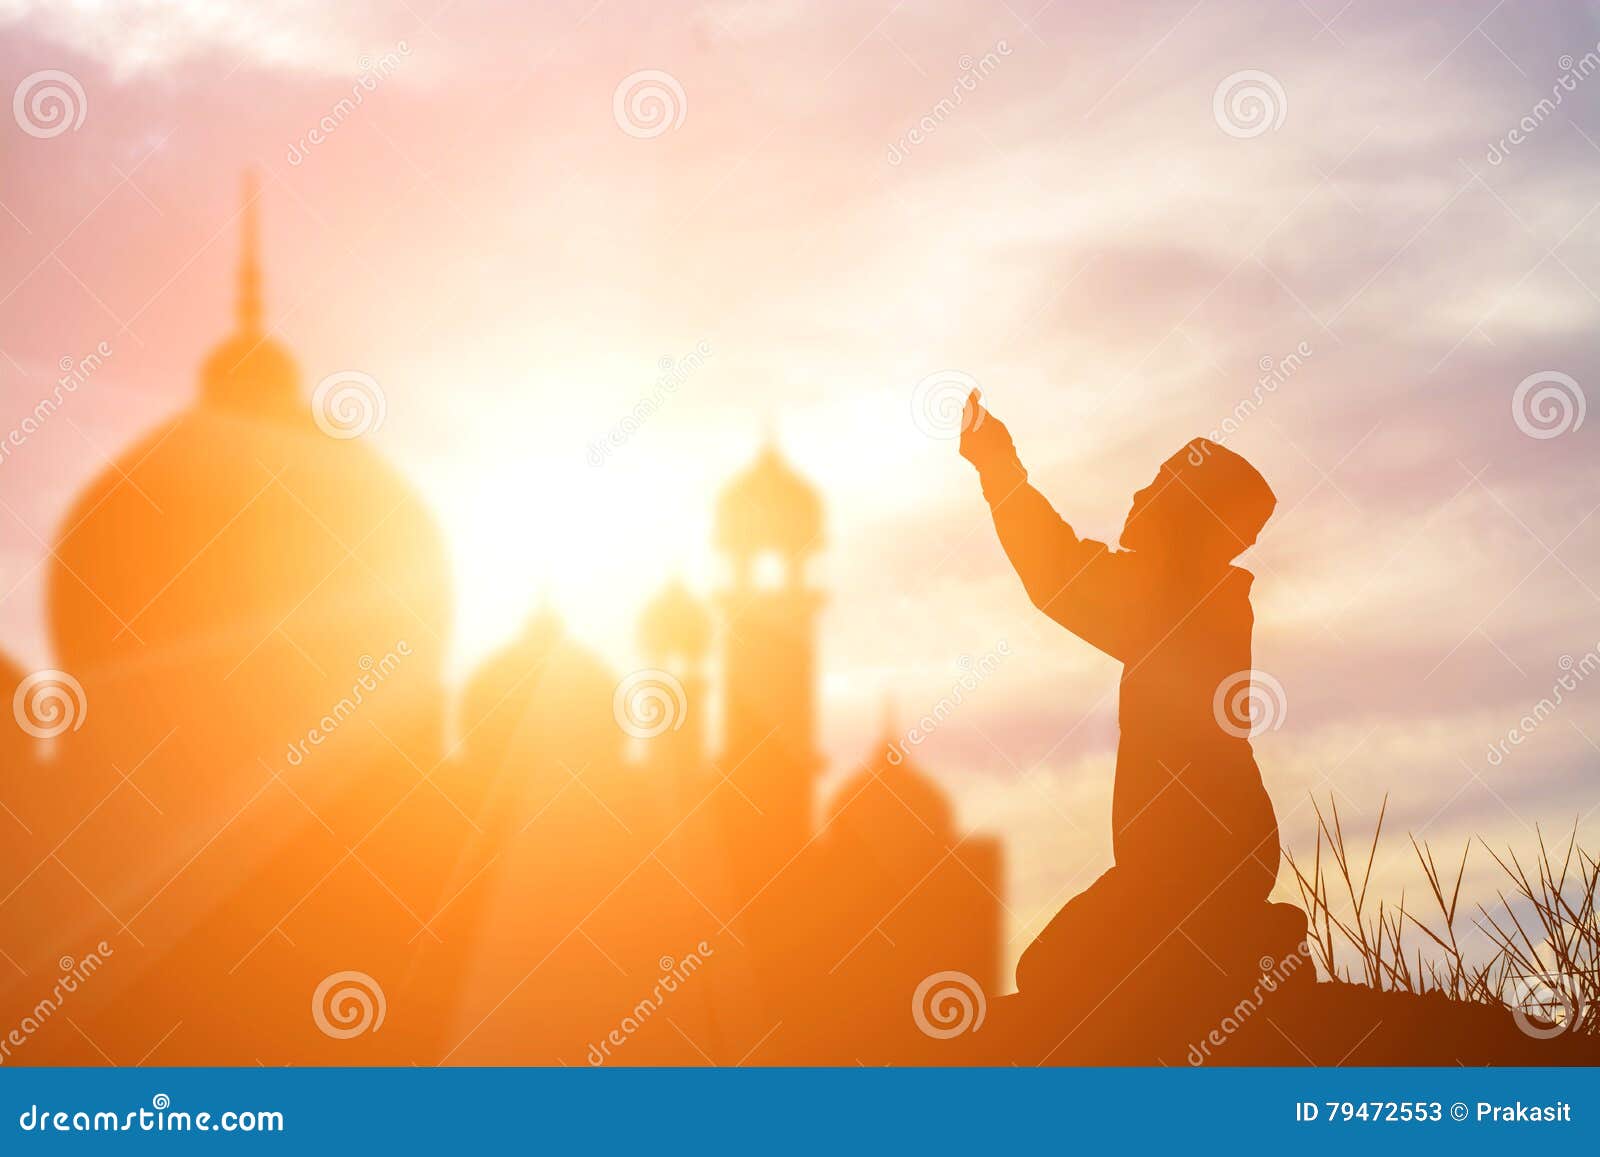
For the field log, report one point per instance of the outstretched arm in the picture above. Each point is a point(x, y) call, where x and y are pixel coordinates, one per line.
point(1077, 582)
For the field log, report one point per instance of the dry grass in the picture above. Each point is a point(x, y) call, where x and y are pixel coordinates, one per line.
point(1542, 953)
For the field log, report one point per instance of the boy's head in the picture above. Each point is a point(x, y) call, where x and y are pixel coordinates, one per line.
point(1205, 501)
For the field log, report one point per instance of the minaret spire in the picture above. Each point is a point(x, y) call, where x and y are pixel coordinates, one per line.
point(249, 305)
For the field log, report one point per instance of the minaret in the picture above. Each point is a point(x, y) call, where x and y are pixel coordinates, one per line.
point(769, 525)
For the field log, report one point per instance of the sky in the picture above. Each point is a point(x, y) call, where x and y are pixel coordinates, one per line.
point(1360, 242)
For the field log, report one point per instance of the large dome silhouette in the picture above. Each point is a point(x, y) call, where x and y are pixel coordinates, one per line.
point(237, 574)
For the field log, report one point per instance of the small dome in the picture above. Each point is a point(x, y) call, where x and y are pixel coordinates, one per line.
point(886, 794)
point(253, 370)
point(675, 623)
point(769, 507)
point(542, 696)
point(543, 630)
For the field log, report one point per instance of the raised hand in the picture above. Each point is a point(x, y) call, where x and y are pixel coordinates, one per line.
point(984, 438)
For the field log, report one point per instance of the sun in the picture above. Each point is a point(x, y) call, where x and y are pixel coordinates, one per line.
point(593, 542)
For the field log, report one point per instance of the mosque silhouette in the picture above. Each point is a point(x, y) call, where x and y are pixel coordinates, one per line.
point(262, 836)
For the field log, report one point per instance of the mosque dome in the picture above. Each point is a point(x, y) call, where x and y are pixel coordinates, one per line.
point(541, 698)
point(890, 792)
point(896, 793)
point(675, 623)
point(769, 507)
point(238, 568)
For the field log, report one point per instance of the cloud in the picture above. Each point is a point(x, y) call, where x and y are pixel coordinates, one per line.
point(133, 38)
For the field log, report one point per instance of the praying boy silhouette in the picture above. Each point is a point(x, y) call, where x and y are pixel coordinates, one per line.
point(1194, 836)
